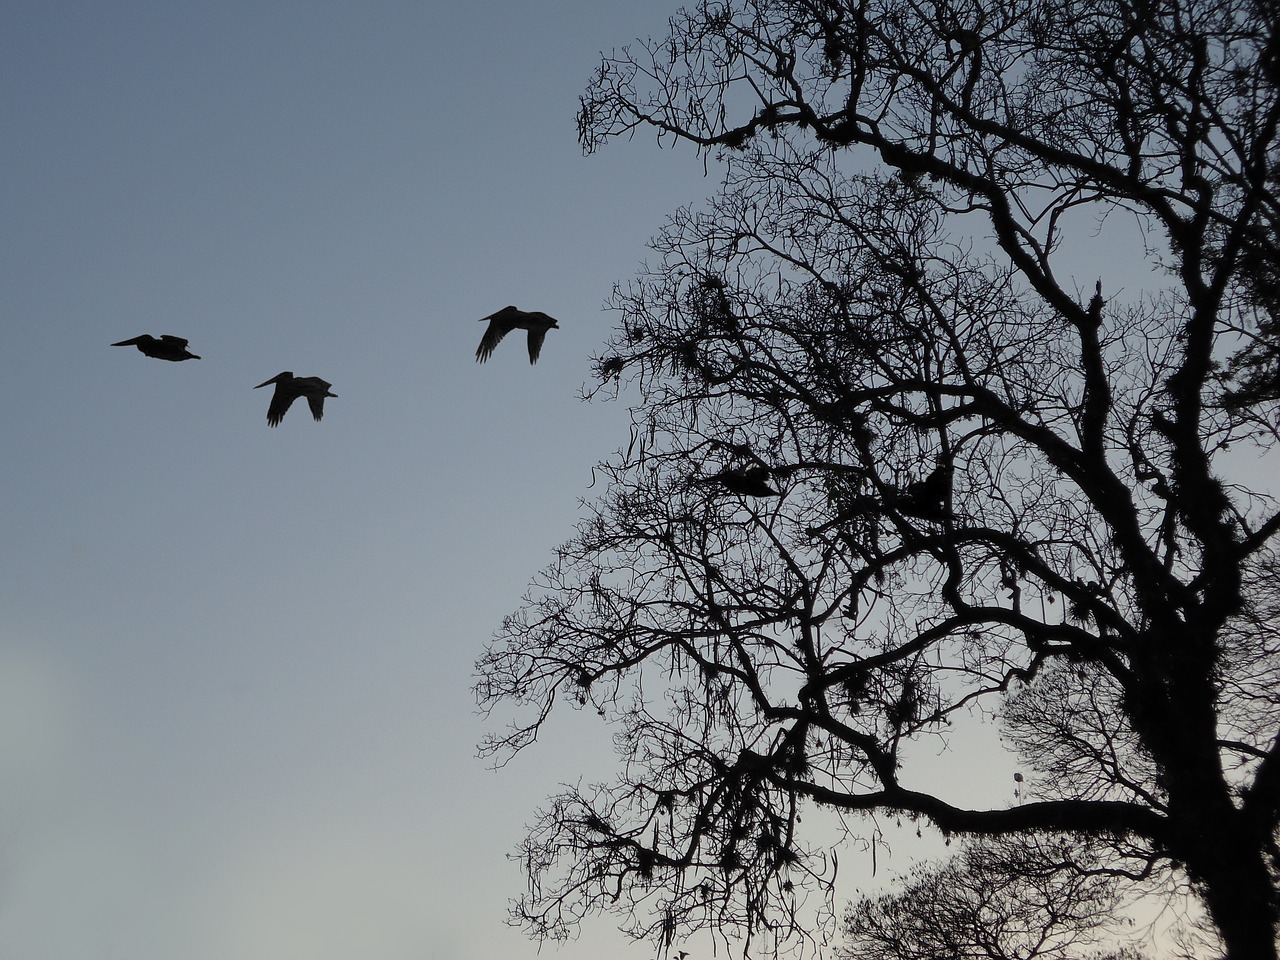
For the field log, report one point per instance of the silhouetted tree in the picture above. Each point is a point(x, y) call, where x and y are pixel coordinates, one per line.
point(997, 899)
point(999, 494)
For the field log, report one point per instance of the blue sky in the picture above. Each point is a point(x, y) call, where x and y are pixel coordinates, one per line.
point(235, 662)
point(236, 719)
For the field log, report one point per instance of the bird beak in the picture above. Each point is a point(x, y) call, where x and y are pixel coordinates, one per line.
point(265, 382)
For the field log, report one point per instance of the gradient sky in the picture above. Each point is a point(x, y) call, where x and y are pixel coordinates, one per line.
point(236, 719)
point(235, 662)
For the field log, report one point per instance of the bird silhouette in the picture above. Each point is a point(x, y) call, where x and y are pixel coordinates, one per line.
point(927, 498)
point(508, 319)
point(289, 388)
point(162, 348)
point(749, 481)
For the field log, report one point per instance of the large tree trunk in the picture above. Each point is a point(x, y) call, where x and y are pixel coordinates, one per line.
point(1238, 892)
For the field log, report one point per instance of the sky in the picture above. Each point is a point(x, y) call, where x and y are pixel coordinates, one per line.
point(236, 718)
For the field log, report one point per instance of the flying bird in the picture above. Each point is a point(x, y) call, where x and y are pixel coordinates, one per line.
point(289, 388)
point(749, 481)
point(508, 319)
point(162, 348)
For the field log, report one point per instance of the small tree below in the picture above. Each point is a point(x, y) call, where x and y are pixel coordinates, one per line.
point(997, 899)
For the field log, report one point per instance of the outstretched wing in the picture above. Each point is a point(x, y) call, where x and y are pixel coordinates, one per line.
point(315, 398)
point(500, 324)
point(280, 401)
point(536, 336)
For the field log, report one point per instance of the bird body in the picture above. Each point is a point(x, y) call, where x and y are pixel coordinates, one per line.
point(508, 319)
point(164, 347)
point(927, 498)
point(289, 388)
point(749, 481)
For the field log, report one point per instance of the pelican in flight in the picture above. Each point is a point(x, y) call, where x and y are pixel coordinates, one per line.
point(750, 481)
point(162, 348)
point(506, 320)
point(289, 388)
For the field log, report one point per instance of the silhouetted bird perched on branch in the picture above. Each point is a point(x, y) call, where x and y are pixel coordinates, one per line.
point(927, 498)
point(162, 348)
point(289, 388)
point(749, 481)
point(508, 319)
